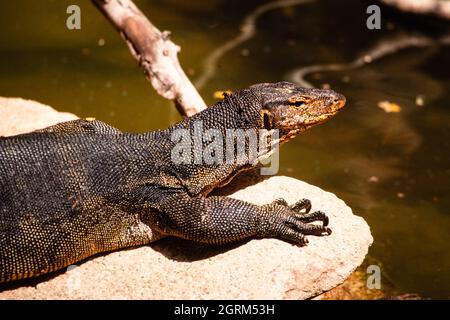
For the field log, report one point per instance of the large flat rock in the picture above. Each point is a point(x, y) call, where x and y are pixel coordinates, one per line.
point(256, 269)
point(18, 115)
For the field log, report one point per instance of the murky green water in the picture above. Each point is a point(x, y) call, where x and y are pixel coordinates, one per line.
point(391, 168)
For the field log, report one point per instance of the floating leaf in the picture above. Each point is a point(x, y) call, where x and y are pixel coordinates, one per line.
point(374, 179)
point(420, 100)
point(400, 195)
point(389, 106)
point(221, 94)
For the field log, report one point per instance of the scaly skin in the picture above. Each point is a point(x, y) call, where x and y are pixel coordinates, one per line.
point(81, 187)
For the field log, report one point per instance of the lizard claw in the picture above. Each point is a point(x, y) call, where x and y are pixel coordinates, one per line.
point(297, 207)
point(294, 221)
point(294, 237)
point(300, 205)
point(314, 216)
point(308, 228)
point(294, 230)
point(306, 216)
point(281, 202)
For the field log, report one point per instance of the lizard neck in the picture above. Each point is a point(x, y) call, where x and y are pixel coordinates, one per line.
point(200, 146)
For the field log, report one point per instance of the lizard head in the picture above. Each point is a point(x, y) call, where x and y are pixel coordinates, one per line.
point(292, 109)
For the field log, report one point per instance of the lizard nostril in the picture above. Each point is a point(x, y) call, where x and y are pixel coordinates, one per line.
point(339, 100)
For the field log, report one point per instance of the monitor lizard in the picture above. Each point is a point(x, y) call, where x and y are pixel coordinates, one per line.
point(82, 187)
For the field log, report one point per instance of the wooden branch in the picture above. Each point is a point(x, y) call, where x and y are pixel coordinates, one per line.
point(440, 8)
point(155, 53)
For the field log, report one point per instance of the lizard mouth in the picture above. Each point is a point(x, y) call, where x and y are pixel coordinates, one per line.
point(338, 104)
point(320, 119)
point(296, 129)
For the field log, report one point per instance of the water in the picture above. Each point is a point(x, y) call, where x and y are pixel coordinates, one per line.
point(391, 168)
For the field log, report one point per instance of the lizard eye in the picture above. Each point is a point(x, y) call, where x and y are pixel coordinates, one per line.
point(298, 103)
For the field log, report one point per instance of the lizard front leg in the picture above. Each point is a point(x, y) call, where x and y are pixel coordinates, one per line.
point(218, 220)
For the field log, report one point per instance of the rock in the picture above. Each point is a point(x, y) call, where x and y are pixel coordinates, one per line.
point(20, 116)
point(177, 269)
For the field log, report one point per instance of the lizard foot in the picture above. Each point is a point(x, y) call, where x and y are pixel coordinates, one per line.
point(294, 222)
